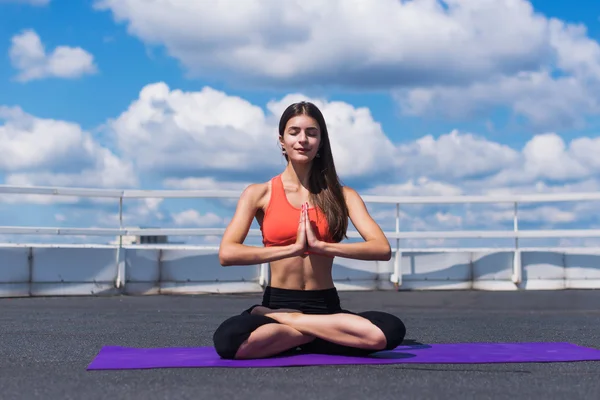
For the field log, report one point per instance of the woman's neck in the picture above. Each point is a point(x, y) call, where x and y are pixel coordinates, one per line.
point(298, 173)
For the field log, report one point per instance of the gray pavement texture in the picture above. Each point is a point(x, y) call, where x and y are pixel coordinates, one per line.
point(47, 343)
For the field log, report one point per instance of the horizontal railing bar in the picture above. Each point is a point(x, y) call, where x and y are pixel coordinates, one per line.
point(146, 194)
point(52, 191)
point(18, 230)
point(82, 192)
point(514, 198)
point(568, 233)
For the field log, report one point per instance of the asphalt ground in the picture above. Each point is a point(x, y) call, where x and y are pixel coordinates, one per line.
point(47, 343)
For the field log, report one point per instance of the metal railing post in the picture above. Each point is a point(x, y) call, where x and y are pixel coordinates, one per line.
point(396, 277)
point(120, 280)
point(263, 279)
point(517, 275)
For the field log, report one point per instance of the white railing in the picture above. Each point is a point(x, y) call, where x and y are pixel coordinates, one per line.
point(398, 235)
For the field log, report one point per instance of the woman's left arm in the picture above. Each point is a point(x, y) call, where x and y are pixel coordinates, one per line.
point(375, 245)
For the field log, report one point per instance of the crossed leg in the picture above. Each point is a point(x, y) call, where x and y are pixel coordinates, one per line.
point(344, 329)
point(255, 336)
point(263, 332)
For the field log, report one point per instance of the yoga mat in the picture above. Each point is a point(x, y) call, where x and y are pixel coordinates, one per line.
point(114, 357)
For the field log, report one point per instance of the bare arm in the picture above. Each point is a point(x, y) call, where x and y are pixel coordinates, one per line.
point(232, 251)
point(375, 245)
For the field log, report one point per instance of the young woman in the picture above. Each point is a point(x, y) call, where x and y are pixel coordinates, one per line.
point(303, 215)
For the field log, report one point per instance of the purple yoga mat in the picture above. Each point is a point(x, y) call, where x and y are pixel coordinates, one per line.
point(114, 357)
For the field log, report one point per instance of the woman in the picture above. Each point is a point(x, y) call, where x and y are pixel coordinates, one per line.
point(303, 215)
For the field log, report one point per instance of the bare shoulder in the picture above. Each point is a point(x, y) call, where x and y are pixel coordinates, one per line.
point(256, 194)
point(249, 203)
point(357, 208)
point(351, 195)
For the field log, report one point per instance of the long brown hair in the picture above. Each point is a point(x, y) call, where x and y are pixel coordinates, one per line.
point(325, 188)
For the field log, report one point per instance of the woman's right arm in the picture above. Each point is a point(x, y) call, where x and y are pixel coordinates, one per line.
point(232, 251)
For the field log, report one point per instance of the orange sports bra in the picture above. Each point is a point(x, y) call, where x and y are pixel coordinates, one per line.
point(280, 222)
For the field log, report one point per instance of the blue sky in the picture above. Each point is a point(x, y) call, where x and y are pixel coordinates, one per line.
point(460, 98)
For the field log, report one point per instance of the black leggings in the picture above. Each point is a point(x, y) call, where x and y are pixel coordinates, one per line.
point(235, 330)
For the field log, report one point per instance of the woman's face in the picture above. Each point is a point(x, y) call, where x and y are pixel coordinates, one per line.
point(301, 139)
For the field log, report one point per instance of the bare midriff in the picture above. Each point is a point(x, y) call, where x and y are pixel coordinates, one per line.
point(309, 272)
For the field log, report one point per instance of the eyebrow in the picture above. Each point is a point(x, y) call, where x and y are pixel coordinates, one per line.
point(298, 128)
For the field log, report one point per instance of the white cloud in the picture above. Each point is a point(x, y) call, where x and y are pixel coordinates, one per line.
point(448, 219)
point(38, 151)
point(454, 156)
point(362, 43)
point(422, 186)
point(547, 157)
point(188, 134)
point(193, 217)
point(560, 92)
point(203, 183)
point(29, 57)
point(172, 131)
point(544, 100)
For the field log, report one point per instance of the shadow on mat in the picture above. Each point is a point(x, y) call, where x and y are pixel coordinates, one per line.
point(414, 344)
point(390, 355)
point(407, 345)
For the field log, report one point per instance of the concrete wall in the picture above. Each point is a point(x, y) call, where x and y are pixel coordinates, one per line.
point(57, 270)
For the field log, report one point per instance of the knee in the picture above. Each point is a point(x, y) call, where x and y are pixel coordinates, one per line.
point(377, 340)
point(234, 331)
point(226, 338)
point(392, 327)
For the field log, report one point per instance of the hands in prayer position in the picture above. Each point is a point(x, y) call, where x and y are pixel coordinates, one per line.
point(306, 239)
